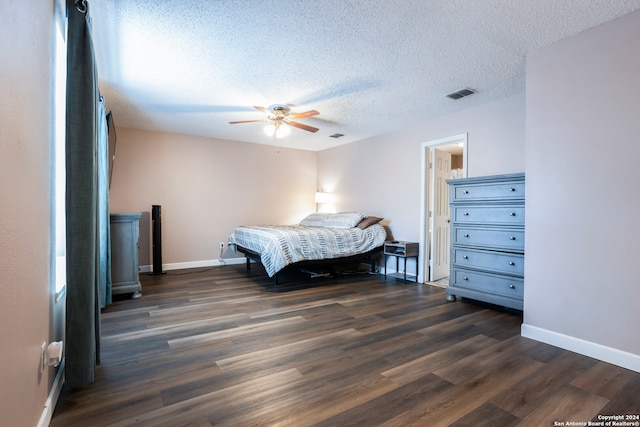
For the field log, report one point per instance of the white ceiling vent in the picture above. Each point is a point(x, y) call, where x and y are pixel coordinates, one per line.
point(465, 91)
point(336, 135)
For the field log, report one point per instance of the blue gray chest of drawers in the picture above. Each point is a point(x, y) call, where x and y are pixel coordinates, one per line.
point(487, 239)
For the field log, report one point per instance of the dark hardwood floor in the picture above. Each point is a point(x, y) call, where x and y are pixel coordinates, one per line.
point(218, 346)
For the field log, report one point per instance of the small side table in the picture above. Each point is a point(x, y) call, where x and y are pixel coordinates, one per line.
point(404, 250)
point(125, 232)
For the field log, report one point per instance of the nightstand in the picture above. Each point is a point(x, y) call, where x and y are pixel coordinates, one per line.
point(125, 231)
point(404, 250)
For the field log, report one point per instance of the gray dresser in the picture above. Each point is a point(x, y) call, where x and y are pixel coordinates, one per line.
point(487, 239)
point(125, 230)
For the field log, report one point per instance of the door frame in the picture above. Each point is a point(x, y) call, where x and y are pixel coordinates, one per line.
point(425, 242)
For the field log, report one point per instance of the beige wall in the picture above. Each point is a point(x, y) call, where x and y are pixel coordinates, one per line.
point(582, 228)
point(381, 176)
point(28, 316)
point(206, 187)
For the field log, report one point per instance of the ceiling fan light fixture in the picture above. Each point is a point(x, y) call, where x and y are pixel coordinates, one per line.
point(277, 129)
point(270, 129)
point(280, 122)
point(283, 130)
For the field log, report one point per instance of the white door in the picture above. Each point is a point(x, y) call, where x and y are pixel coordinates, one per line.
point(439, 203)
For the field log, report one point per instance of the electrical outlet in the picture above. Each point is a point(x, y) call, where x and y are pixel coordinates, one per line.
point(221, 245)
point(43, 356)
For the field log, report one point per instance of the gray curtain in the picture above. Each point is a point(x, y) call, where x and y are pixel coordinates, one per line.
point(86, 206)
point(104, 241)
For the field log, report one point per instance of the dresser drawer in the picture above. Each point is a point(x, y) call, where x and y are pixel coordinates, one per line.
point(489, 191)
point(507, 215)
point(495, 238)
point(500, 262)
point(492, 284)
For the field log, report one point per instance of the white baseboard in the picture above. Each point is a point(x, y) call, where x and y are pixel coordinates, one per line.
point(587, 348)
point(52, 399)
point(194, 264)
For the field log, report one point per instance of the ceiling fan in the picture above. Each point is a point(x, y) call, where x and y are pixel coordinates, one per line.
point(279, 115)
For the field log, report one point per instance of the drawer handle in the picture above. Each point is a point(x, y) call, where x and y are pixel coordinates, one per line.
point(466, 235)
point(465, 257)
point(512, 263)
point(466, 191)
point(512, 286)
point(465, 278)
point(512, 214)
point(466, 214)
point(512, 189)
point(512, 238)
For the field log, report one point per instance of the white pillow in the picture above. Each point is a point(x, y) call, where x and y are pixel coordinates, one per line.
point(344, 220)
point(315, 219)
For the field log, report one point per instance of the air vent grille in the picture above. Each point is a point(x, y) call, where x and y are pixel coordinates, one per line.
point(336, 135)
point(461, 93)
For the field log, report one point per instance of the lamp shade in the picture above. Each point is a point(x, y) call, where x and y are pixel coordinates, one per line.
point(322, 197)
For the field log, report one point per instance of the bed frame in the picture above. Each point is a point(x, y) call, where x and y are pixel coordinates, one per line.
point(366, 256)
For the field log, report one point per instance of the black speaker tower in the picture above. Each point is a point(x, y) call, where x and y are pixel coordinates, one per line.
point(156, 229)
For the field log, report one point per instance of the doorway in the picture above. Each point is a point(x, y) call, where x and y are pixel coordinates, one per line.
point(441, 159)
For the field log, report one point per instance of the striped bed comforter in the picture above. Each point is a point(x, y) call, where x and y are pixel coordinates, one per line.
point(282, 245)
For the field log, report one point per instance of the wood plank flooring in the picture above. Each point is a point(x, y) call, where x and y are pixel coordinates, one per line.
point(222, 347)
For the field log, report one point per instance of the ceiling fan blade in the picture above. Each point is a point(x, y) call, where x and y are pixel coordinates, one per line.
point(246, 121)
point(305, 114)
point(303, 127)
point(264, 110)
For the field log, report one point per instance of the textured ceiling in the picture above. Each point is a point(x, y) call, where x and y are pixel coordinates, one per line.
point(368, 66)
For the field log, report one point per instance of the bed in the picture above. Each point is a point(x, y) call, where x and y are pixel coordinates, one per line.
point(318, 238)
